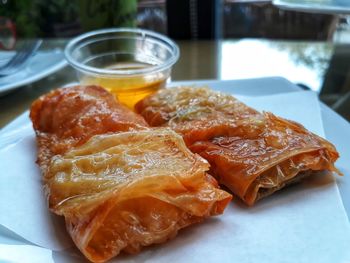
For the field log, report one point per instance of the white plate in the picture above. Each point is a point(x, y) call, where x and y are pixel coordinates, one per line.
point(275, 230)
point(39, 66)
point(337, 129)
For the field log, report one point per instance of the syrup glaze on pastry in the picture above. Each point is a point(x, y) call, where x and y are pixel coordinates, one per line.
point(253, 154)
point(119, 184)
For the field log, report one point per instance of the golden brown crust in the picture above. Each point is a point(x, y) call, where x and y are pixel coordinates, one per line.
point(119, 184)
point(68, 117)
point(247, 150)
point(132, 189)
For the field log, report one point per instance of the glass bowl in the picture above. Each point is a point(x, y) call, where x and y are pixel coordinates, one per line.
point(130, 63)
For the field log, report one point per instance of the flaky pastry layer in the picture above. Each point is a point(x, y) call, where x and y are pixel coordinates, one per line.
point(251, 153)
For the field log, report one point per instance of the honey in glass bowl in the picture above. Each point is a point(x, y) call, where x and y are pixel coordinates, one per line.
point(129, 89)
point(130, 63)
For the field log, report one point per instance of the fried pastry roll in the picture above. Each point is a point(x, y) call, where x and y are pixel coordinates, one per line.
point(68, 117)
point(119, 184)
point(253, 154)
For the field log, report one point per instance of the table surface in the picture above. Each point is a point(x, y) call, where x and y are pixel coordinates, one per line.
point(320, 66)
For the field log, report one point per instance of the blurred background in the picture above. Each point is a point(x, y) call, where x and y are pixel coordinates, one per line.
point(253, 38)
point(180, 19)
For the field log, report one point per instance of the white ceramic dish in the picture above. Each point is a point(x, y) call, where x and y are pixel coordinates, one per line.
point(40, 65)
point(275, 230)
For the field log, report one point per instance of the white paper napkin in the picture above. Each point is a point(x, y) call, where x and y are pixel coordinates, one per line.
point(25, 254)
point(304, 223)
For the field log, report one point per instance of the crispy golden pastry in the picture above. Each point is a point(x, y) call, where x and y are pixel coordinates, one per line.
point(65, 118)
point(119, 184)
point(253, 154)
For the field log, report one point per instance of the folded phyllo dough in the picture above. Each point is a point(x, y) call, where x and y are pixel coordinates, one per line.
point(253, 154)
point(68, 117)
point(120, 186)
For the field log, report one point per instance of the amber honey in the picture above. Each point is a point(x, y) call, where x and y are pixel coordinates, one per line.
point(129, 89)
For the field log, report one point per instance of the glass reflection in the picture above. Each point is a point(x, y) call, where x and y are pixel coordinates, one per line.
point(299, 62)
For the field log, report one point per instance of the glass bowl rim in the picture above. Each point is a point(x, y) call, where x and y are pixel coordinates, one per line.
point(72, 44)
